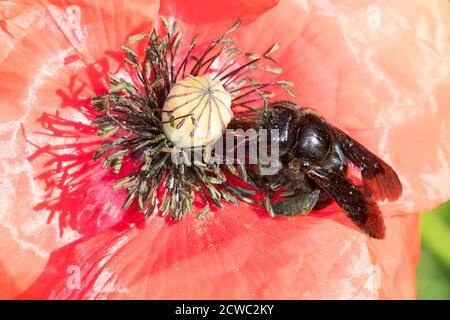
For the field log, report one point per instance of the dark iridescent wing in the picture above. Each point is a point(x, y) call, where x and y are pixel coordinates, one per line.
point(360, 208)
point(379, 179)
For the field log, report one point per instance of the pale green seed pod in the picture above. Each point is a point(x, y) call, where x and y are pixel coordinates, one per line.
point(196, 112)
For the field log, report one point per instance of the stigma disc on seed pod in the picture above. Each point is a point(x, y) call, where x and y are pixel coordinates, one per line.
point(196, 112)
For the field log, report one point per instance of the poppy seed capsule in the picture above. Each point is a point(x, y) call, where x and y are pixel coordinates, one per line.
point(196, 112)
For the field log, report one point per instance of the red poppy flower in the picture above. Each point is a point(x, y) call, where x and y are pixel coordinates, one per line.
point(379, 72)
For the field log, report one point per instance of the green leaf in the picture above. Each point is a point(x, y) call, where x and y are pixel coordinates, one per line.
point(435, 233)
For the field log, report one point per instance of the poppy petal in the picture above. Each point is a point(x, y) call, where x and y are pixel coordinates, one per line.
point(376, 71)
point(199, 12)
point(290, 258)
point(235, 254)
point(51, 52)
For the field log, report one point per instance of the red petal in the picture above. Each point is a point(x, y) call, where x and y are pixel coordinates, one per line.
point(232, 254)
point(207, 20)
point(199, 12)
point(48, 49)
point(369, 70)
point(338, 65)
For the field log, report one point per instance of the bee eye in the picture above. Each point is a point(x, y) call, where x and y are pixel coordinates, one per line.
point(313, 142)
point(196, 112)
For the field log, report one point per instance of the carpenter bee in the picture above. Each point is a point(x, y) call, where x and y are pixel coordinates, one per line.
point(314, 159)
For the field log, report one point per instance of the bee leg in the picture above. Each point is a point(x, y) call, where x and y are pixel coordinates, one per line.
point(324, 201)
point(300, 203)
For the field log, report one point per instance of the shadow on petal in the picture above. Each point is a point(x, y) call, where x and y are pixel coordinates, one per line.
point(78, 189)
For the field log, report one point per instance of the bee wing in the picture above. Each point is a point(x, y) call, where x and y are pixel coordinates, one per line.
point(360, 208)
point(379, 179)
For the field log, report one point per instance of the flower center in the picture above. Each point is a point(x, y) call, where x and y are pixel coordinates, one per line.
point(143, 123)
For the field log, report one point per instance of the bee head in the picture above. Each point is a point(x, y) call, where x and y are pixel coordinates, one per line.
point(281, 116)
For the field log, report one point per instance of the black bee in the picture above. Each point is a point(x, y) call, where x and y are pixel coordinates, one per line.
point(314, 157)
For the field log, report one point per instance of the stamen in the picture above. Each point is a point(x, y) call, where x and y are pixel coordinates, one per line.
point(138, 124)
